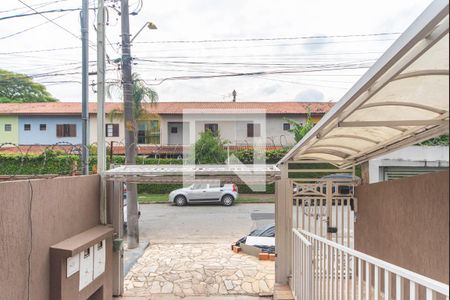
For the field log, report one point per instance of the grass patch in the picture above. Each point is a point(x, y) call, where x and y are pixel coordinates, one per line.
point(164, 198)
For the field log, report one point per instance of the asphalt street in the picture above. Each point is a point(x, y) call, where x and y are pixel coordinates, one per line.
point(163, 223)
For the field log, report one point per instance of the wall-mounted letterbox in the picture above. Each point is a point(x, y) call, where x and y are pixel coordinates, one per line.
point(81, 266)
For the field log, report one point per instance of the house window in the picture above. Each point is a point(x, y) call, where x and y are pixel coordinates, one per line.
point(8, 127)
point(286, 126)
point(154, 124)
point(43, 127)
point(253, 130)
point(27, 127)
point(112, 130)
point(66, 130)
point(214, 128)
point(174, 130)
point(149, 132)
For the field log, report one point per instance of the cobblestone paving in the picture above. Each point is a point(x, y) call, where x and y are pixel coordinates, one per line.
point(198, 270)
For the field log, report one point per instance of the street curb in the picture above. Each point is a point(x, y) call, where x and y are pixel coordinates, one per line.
point(132, 256)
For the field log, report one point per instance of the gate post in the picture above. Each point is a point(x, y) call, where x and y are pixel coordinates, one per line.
point(115, 217)
point(283, 225)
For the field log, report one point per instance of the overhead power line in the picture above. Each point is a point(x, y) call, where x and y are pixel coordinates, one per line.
point(53, 22)
point(260, 73)
point(37, 5)
point(31, 28)
point(270, 39)
point(40, 13)
point(39, 51)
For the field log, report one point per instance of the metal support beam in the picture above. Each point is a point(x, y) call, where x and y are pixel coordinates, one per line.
point(85, 86)
point(404, 104)
point(283, 226)
point(115, 212)
point(394, 123)
point(101, 89)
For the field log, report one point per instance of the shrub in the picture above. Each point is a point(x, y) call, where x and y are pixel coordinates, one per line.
point(209, 149)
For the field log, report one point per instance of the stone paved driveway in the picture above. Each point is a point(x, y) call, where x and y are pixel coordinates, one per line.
point(185, 270)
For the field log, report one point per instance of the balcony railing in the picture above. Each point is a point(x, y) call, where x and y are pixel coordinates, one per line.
point(323, 269)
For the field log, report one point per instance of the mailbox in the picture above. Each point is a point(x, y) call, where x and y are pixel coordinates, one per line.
point(81, 266)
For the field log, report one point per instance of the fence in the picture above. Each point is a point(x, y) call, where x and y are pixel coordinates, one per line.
point(323, 269)
point(326, 207)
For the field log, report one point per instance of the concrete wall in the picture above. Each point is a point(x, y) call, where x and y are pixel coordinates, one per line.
point(48, 137)
point(9, 136)
point(406, 222)
point(409, 157)
point(34, 216)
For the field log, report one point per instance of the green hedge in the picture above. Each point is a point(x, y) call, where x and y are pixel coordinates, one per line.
point(48, 163)
point(58, 163)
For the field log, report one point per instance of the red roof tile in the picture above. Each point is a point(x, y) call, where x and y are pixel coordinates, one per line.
point(71, 108)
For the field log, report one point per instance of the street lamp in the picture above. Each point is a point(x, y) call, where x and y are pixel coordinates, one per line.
point(149, 25)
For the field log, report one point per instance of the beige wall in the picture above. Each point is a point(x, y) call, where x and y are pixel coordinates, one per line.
point(34, 216)
point(236, 131)
point(406, 222)
point(93, 130)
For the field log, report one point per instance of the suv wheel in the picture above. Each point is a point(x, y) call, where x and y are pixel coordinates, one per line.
point(180, 200)
point(228, 200)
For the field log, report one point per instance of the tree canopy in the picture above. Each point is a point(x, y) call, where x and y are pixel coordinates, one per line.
point(20, 88)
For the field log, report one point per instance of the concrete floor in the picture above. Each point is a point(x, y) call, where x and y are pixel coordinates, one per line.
point(208, 230)
point(163, 223)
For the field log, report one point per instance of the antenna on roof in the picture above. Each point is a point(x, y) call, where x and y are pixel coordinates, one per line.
point(234, 95)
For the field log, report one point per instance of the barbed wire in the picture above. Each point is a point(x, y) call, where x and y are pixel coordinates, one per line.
point(65, 158)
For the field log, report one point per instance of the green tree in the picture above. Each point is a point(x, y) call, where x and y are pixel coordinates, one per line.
point(20, 88)
point(300, 130)
point(142, 94)
point(437, 141)
point(209, 149)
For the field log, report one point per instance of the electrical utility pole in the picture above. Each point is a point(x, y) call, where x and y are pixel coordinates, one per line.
point(101, 90)
point(130, 126)
point(85, 86)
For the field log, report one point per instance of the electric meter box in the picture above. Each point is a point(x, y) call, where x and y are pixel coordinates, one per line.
point(81, 266)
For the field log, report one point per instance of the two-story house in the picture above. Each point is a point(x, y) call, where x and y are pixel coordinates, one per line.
point(162, 124)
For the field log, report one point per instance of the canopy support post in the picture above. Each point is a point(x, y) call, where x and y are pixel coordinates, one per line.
point(283, 226)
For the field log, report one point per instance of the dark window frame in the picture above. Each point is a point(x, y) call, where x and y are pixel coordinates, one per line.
point(27, 127)
point(8, 128)
point(174, 130)
point(286, 127)
point(42, 127)
point(66, 130)
point(115, 130)
point(253, 130)
point(213, 127)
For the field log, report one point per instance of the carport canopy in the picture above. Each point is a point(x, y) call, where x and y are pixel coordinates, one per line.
point(249, 174)
point(402, 100)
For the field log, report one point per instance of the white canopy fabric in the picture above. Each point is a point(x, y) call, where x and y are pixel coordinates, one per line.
point(403, 99)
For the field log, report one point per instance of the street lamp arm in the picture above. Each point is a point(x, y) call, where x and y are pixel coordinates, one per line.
point(150, 25)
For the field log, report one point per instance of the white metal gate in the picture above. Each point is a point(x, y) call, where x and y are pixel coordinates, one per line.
point(326, 207)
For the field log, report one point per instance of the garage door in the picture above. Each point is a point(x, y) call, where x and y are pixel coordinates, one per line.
point(394, 173)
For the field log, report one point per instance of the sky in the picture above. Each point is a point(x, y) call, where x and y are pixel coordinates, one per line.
point(286, 50)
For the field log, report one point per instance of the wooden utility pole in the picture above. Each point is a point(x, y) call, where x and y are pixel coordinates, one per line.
point(130, 126)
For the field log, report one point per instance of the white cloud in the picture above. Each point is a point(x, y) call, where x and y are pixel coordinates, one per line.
point(310, 95)
point(220, 19)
